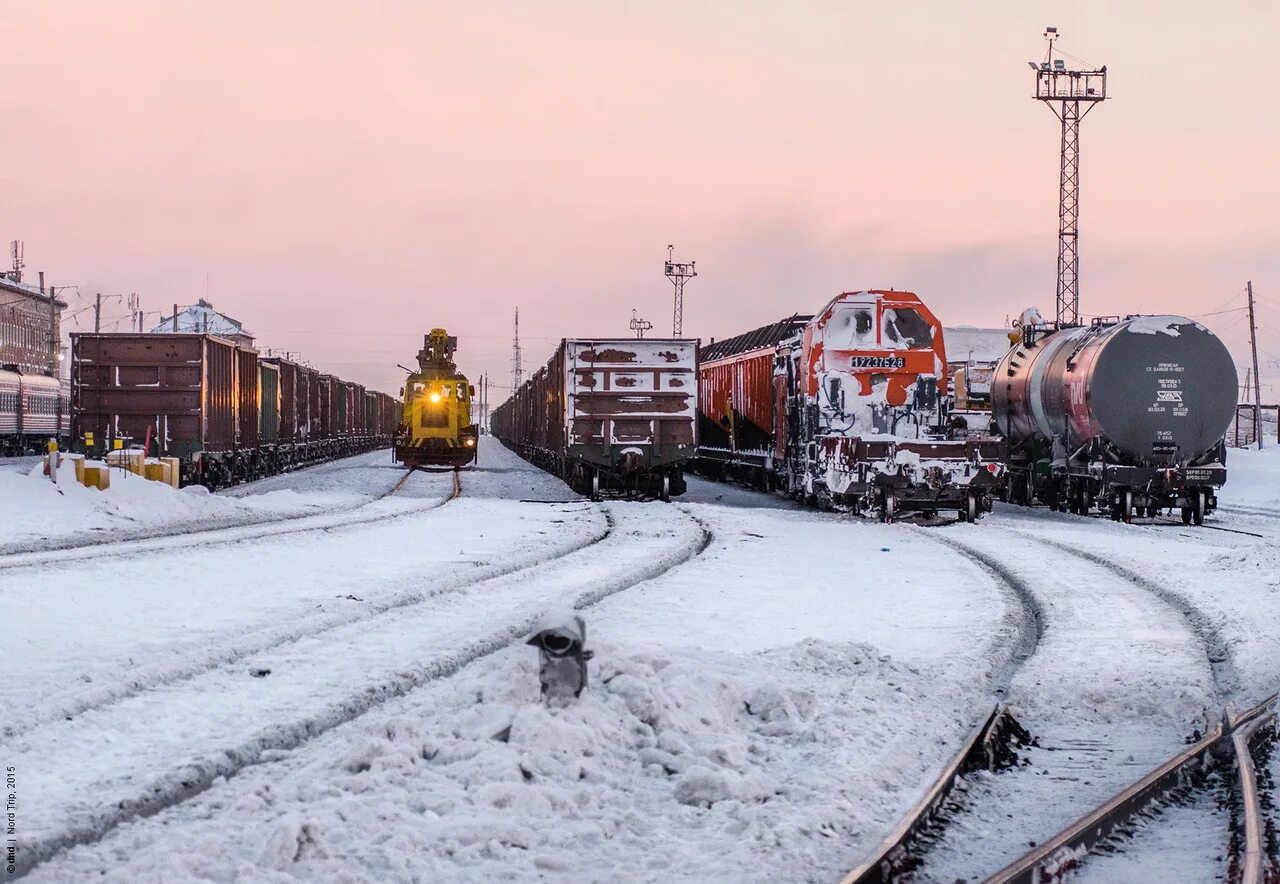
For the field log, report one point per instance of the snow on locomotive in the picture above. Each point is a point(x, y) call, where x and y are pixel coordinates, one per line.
point(846, 408)
point(1128, 415)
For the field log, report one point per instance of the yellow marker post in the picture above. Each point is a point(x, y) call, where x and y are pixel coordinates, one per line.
point(51, 461)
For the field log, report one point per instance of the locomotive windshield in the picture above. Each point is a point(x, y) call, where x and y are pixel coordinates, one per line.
point(905, 326)
point(851, 327)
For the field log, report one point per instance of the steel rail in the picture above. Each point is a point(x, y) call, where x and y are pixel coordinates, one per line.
point(1244, 729)
point(221, 535)
point(1062, 853)
point(893, 857)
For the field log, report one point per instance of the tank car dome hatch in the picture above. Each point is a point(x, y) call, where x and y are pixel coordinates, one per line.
point(1160, 381)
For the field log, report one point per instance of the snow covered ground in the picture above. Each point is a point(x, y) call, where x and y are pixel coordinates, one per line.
point(66, 514)
point(772, 687)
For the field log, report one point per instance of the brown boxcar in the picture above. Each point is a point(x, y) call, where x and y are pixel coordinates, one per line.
point(617, 414)
point(287, 398)
point(269, 425)
point(247, 392)
point(180, 386)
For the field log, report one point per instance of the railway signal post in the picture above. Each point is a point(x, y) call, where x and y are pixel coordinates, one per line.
point(679, 273)
point(1070, 94)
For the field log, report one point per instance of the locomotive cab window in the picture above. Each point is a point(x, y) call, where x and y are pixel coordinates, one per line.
point(851, 327)
point(905, 326)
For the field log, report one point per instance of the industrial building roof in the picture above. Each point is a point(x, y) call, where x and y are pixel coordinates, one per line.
point(985, 344)
point(11, 285)
point(201, 318)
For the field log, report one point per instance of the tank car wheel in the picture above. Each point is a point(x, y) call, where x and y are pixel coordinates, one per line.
point(666, 488)
point(1126, 506)
point(1198, 509)
point(890, 508)
point(1187, 515)
point(595, 485)
point(972, 511)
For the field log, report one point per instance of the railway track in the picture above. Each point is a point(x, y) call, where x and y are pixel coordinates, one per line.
point(189, 538)
point(948, 834)
point(247, 644)
point(502, 611)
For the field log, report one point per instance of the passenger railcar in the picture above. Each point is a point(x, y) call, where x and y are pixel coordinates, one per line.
point(436, 429)
point(1123, 415)
point(33, 409)
point(847, 408)
point(226, 414)
point(609, 415)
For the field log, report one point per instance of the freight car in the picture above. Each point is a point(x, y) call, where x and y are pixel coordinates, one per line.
point(616, 415)
point(226, 414)
point(33, 409)
point(848, 409)
point(436, 429)
point(1127, 415)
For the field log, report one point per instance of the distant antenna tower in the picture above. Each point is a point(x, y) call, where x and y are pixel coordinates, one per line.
point(15, 251)
point(679, 274)
point(517, 369)
point(1063, 91)
point(638, 325)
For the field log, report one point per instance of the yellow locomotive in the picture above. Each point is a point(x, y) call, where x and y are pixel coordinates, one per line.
point(436, 427)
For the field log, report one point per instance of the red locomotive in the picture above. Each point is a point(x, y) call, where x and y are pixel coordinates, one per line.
point(847, 408)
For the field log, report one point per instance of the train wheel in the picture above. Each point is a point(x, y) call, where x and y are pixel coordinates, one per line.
point(890, 508)
point(1198, 510)
point(1126, 506)
point(595, 485)
point(1187, 515)
point(971, 508)
point(666, 488)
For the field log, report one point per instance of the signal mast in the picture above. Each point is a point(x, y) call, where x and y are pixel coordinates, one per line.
point(1065, 91)
point(639, 325)
point(679, 273)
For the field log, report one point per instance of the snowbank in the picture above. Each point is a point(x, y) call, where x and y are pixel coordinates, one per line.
point(770, 766)
point(40, 512)
point(1253, 477)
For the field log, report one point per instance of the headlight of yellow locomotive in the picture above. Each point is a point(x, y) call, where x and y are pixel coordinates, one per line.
point(434, 397)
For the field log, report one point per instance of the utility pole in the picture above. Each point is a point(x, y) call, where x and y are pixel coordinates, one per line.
point(53, 327)
point(679, 273)
point(638, 325)
point(1257, 381)
point(175, 319)
point(517, 369)
point(1063, 91)
point(97, 313)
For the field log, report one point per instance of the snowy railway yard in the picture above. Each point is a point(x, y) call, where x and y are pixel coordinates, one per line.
point(324, 676)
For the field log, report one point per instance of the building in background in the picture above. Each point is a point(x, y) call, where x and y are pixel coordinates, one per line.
point(200, 318)
point(30, 326)
point(972, 354)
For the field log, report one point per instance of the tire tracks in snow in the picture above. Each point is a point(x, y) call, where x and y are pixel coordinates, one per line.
point(1216, 648)
point(1026, 611)
point(215, 767)
point(187, 539)
point(237, 649)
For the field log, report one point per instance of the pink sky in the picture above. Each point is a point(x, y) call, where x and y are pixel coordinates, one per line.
point(352, 174)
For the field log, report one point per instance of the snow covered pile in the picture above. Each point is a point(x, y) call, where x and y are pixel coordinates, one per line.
point(773, 766)
point(40, 511)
